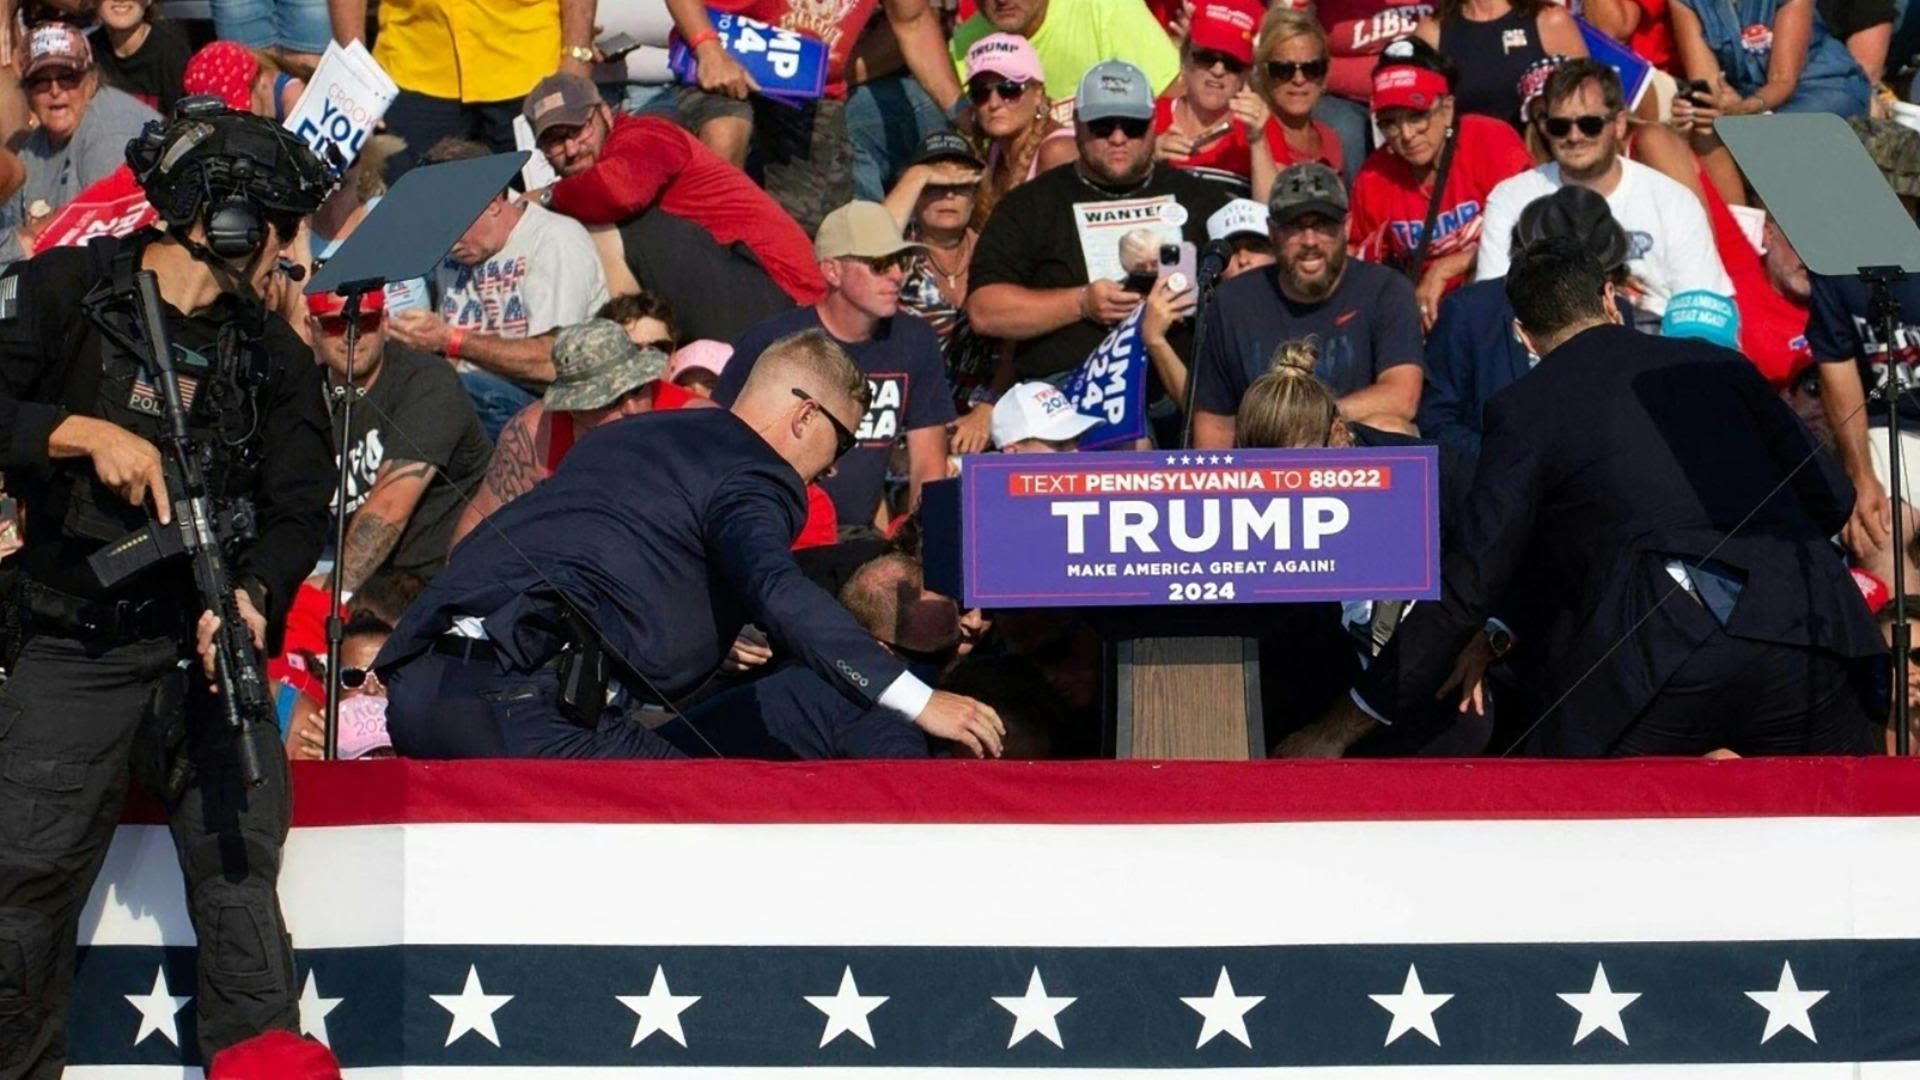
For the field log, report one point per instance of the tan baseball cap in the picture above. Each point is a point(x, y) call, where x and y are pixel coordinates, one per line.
point(860, 230)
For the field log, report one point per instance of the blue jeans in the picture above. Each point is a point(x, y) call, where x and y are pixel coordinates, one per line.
point(1844, 97)
point(495, 400)
point(294, 25)
point(886, 119)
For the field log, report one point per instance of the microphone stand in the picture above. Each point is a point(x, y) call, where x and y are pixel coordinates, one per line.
point(343, 396)
point(1209, 271)
point(1885, 310)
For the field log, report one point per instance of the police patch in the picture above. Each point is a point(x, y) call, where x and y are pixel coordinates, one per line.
point(9, 298)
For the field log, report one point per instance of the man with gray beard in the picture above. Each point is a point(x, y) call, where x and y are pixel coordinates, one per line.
point(1363, 316)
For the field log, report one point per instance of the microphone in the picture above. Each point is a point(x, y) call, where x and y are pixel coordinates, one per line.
point(294, 271)
point(1213, 262)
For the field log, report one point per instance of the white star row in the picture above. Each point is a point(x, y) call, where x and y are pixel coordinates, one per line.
point(1199, 459)
point(1035, 1012)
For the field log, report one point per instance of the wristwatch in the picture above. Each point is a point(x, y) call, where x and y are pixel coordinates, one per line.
point(1499, 637)
point(582, 53)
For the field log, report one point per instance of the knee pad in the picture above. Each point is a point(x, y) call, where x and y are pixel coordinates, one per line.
point(239, 926)
point(27, 955)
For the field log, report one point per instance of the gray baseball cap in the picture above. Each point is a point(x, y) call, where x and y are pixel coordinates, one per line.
point(1114, 88)
point(1306, 188)
point(594, 363)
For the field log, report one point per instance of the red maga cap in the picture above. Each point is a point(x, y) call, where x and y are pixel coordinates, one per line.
point(1405, 86)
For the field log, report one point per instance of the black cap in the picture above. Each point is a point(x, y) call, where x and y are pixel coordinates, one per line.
point(946, 146)
point(1578, 214)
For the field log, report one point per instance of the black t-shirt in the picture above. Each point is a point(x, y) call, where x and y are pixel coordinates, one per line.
point(1838, 330)
point(154, 72)
point(417, 411)
point(908, 379)
point(1845, 18)
point(1368, 324)
point(1032, 240)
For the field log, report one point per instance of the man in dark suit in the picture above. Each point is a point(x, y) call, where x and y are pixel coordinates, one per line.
point(1680, 512)
point(1473, 352)
point(634, 568)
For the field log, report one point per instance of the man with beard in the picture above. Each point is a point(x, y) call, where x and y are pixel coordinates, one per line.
point(1362, 314)
point(1031, 282)
point(1584, 123)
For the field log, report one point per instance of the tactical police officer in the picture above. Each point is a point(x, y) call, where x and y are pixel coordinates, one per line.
point(107, 682)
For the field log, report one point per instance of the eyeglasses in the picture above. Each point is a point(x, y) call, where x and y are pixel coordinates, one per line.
point(979, 90)
point(1313, 222)
point(67, 80)
point(1207, 59)
point(1410, 123)
point(561, 135)
point(1559, 127)
point(1104, 127)
point(336, 325)
point(844, 440)
point(948, 191)
point(882, 264)
point(353, 678)
point(1285, 70)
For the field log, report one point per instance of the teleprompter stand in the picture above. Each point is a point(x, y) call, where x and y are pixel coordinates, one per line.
point(404, 237)
point(1845, 221)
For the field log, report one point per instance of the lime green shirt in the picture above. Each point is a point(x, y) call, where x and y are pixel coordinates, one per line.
point(1074, 35)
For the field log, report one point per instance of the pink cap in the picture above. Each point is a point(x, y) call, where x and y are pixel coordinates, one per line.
point(363, 726)
point(706, 355)
point(1008, 55)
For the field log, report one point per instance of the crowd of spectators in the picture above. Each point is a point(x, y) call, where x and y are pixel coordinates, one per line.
point(1374, 165)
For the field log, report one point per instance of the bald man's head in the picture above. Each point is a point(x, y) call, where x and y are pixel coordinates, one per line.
point(806, 398)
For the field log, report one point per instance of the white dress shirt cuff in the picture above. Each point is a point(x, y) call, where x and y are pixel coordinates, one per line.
point(1361, 704)
point(906, 695)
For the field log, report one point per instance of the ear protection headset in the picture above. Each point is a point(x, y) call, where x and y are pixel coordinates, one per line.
point(229, 170)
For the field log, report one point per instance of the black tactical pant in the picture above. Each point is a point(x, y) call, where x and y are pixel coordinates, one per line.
point(73, 727)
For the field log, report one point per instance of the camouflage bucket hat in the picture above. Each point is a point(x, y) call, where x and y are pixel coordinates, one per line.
point(1895, 148)
point(594, 362)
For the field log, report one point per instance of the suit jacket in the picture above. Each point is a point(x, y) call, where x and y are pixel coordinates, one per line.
point(1619, 453)
point(669, 530)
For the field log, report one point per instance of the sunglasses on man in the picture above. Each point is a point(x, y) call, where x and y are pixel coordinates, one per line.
point(67, 80)
point(336, 325)
point(1208, 59)
point(1283, 71)
point(844, 439)
point(1559, 127)
point(1104, 127)
point(979, 90)
point(883, 264)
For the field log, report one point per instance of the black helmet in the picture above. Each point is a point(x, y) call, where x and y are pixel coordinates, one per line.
point(236, 171)
point(1579, 214)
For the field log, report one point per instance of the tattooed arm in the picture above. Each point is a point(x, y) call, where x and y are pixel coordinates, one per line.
point(377, 525)
point(519, 462)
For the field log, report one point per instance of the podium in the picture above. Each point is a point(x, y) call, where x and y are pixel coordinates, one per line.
point(1181, 560)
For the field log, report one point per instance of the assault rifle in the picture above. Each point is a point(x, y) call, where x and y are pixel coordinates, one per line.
point(202, 525)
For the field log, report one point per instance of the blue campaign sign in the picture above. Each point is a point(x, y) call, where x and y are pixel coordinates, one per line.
point(1111, 384)
point(790, 68)
point(1158, 527)
point(1635, 73)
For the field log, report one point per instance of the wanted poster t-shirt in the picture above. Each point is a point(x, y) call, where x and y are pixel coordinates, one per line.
point(1035, 239)
point(907, 379)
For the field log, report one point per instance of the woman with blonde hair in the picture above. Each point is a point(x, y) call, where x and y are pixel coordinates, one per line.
point(1013, 117)
point(1290, 65)
point(1288, 407)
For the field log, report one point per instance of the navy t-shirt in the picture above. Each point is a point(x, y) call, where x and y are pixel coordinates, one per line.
point(908, 380)
point(1839, 331)
point(1368, 324)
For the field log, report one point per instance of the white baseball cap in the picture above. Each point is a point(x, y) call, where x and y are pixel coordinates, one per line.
point(1036, 410)
point(1237, 217)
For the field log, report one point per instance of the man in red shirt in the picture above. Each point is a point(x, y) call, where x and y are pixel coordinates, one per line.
point(804, 155)
point(1413, 105)
point(694, 227)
